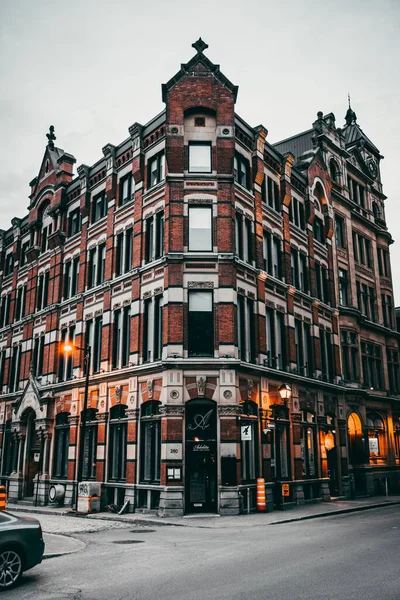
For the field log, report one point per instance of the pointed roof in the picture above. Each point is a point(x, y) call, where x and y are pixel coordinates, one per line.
point(353, 133)
point(199, 60)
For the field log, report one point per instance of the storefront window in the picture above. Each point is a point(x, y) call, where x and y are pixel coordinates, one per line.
point(308, 446)
point(90, 445)
point(117, 444)
point(356, 440)
point(280, 450)
point(376, 435)
point(396, 428)
point(150, 448)
point(61, 445)
point(249, 442)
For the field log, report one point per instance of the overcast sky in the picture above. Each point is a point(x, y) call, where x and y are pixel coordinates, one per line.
point(92, 69)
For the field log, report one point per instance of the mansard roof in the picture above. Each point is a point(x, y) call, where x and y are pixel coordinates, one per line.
point(197, 65)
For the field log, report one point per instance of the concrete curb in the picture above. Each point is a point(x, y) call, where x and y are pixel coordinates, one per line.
point(71, 544)
point(341, 511)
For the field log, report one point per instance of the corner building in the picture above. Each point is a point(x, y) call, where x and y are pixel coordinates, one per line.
point(205, 268)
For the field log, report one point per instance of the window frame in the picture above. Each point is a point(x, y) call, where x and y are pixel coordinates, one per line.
point(198, 144)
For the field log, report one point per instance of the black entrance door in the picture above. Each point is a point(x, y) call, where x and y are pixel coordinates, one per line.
point(201, 456)
point(333, 472)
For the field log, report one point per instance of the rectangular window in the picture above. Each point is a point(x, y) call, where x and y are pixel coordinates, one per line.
point(154, 237)
point(116, 349)
point(150, 449)
point(75, 276)
point(201, 324)
point(249, 241)
point(371, 355)
point(46, 232)
point(239, 235)
point(121, 338)
point(119, 250)
point(61, 446)
point(318, 228)
point(117, 450)
point(38, 354)
point(249, 452)
point(15, 368)
point(126, 189)
point(99, 206)
point(42, 290)
point(152, 328)
point(340, 232)
point(156, 169)
point(393, 371)
point(343, 288)
point(241, 321)
point(128, 250)
point(93, 337)
point(242, 170)
point(74, 222)
point(303, 273)
point(298, 331)
point(199, 157)
point(200, 229)
point(67, 279)
point(23, 256)
point(271, 193)
point(66, 359)
point(275, 337)
point(20, 303)
point(294, 263)
point(92, 267)
point(97, 344)
point(90, 447)
point(101, 264)
point(350, 366)
point(246, 329)
point(9, 264)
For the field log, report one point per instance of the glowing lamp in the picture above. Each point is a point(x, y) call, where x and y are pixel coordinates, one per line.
point(329, 441)
point(285, 391)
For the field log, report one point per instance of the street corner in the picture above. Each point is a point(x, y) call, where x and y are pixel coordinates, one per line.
point(59, 545)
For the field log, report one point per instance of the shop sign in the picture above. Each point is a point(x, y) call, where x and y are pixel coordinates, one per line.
point(245, 432)
point(201, 448)
point(36, 457)
point(285, 489)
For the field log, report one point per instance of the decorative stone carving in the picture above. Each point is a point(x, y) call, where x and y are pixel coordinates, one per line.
point(201, 383)
point(201, 285)
point(229, 411)
point(174, 394)
point(172, 410)
point(118, 393)
point(132, 413)
point(150, 384)
point(227, 394)
point(101, 417)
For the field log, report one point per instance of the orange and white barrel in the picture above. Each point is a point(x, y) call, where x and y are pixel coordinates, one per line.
point(261, 500)
point(3, 497)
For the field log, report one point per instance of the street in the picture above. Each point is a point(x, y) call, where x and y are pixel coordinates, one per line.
point(345, 557)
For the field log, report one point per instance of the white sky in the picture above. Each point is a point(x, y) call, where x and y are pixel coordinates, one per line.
point(92, 69)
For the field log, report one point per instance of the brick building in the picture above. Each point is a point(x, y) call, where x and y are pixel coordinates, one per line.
point(206, 268)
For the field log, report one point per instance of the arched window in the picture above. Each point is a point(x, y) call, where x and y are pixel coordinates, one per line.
point(376, 210)
point(90, 445)
point(61, 445)
point(150, 442)
point(376, 435)
point(396, 429)
point(334, 171)
point(356, 441)
point(118, 443)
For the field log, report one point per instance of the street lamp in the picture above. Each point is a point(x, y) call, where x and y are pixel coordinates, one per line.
point(285, 392)
point(70, 348)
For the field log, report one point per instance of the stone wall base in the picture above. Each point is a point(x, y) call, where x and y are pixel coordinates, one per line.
point(171, 503)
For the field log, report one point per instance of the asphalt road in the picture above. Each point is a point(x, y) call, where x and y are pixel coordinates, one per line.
point(346, 557)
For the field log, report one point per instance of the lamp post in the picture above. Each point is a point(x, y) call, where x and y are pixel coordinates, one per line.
point(87, 350)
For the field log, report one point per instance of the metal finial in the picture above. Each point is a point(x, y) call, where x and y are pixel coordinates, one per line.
point(51, 137)
point(200, 46)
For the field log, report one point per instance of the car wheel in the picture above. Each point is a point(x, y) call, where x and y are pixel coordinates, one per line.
point(10, 568)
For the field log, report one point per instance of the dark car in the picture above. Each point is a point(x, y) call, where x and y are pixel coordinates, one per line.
point(21, 547)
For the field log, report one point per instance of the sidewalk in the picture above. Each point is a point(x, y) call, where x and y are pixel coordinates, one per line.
point(297, 513)
point(58, 545)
